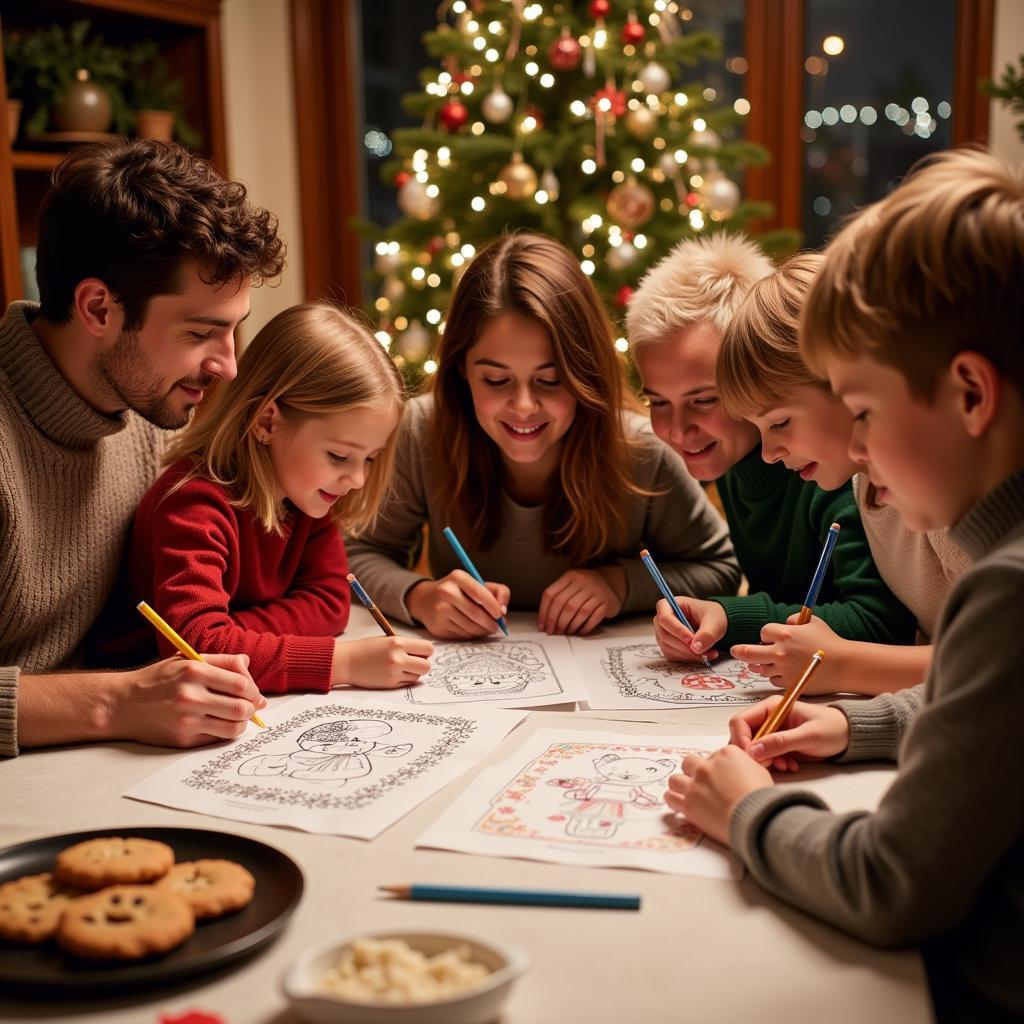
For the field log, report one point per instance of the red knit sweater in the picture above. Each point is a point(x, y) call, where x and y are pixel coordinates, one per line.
point(228, 586)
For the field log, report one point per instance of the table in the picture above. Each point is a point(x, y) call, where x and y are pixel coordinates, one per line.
point(699, 950)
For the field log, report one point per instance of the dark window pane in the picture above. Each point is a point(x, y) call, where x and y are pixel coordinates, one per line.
point(878, 87)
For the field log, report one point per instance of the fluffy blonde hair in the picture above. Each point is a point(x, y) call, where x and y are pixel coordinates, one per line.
point(585, 509)
point(700, 280)
point(759, 359)
point(934, 269)
point(312, 360)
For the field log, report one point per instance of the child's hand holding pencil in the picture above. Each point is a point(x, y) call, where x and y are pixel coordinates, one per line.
point(708, 619)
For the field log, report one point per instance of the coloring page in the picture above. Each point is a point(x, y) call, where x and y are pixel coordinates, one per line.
point(623, 673)
point(526, 670)
point(590, 798)
point(326, 764)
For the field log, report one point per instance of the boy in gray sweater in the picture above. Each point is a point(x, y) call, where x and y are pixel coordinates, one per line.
point(916, 321)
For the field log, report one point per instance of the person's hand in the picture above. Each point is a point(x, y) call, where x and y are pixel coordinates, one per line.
point(456, 606)
point(708, 789)
point(810, 732)
point(677, 643)
point(380, 662)
point(787, 648)
point(181, 703)
point(580, 600)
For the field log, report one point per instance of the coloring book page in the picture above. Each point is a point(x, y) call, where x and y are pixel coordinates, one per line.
point(328, 765)
point(627, 672)
point(587, 798)
point(522, 671)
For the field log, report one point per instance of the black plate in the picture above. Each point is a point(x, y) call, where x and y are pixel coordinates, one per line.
point(213, 944)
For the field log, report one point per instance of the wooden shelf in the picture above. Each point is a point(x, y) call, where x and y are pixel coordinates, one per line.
point(29, 160)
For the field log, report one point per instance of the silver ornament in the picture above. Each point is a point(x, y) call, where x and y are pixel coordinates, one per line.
point(655, 79)
point(621, 256)
point(414, 342)
point(497, 106)
point(413, 200)
point(722, 196)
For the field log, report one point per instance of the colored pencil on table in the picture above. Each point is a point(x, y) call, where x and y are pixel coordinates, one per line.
point(467, 564)
point(645, 557)
point(378, 615)
point(819, 575)
point(772, 722)
point(518, 897)
point(185, 648)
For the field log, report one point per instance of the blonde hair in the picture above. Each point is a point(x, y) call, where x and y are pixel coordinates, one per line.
point(700, 280)
point(312, 360)
point(934, 269)
point(585, 510)
point(759, 359)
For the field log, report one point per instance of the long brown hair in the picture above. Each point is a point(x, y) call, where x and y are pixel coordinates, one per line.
point(584, 511)
point(312, 360)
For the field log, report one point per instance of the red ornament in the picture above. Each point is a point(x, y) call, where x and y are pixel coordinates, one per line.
point(401, 178)
point(600, 8)
point(633, 33)
point(565, 53)
point(435, 245)
point(459, 77)
point(692, 199)
point(623, 295)
point(615, 98)
point(453, 115)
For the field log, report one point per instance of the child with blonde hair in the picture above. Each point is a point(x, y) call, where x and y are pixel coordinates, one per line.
point(915, 321)
point(238, 543)
point(777, 521)
point(763, 378)
point(527, 445)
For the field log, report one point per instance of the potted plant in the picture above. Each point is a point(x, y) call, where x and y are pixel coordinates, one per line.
point(68, 78)
point(155, 97)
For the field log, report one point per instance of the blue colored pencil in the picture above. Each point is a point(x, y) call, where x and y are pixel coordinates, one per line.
point(645, 557)
point(819, 575)
point(467, 564)
point(378, 615)
point(517, 897)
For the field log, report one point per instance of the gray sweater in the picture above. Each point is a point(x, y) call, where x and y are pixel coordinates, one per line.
point(70, 479)
point(687, 537)
point(941, 862)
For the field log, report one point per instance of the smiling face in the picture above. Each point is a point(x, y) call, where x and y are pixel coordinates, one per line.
point(809, 432)
point(915, 453)
point(186, 342)
point(686, 413)
point(319, 459)
point(518, 395)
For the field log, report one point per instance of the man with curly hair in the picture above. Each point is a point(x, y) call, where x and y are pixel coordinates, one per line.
point(145, 261)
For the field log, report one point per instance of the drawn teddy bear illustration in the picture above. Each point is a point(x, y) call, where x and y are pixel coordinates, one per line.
point(603, 801)
point(331, 754)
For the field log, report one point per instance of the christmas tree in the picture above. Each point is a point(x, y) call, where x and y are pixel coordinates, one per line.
point(574, 119)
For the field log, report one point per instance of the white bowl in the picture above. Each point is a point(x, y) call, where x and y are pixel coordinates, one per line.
point(303, 984)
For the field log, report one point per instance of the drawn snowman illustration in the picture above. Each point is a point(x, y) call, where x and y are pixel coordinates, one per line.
point(331, 753)
point(599, 804)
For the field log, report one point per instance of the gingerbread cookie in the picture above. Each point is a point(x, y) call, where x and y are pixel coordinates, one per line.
point(30, 907)
point(210, 887)
point(113, 861)
point(125, 922)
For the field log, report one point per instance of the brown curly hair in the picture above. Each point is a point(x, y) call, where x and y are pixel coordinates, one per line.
point(132, 213)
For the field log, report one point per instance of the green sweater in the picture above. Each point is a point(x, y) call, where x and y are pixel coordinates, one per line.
point(941, 862)
point(778, 525)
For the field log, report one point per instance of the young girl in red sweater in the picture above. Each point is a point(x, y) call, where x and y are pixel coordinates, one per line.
point(238, 543)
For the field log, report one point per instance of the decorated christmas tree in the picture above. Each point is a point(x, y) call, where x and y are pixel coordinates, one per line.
point(576, 119)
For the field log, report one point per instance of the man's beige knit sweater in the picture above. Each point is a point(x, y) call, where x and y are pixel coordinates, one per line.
point(70, 479)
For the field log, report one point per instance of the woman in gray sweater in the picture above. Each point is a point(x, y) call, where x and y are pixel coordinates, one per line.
point(529, 447)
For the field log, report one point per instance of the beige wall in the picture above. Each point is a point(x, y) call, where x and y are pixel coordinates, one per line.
point(260, 103)
point(1009, 44)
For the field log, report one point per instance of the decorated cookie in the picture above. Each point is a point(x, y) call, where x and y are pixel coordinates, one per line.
point(113, 861)
point(30, 907)
point(210, 887)
point(125, 922)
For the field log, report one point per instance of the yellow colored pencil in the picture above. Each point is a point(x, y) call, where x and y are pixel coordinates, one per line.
point(772, 722)
point(185, 648)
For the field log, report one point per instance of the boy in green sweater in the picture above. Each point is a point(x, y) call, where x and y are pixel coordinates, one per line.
point(915, 320)
point(777, 521)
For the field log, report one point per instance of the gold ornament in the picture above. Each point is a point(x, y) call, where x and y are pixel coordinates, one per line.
point(640, 123)
point(519, 178)
point(631, 203)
